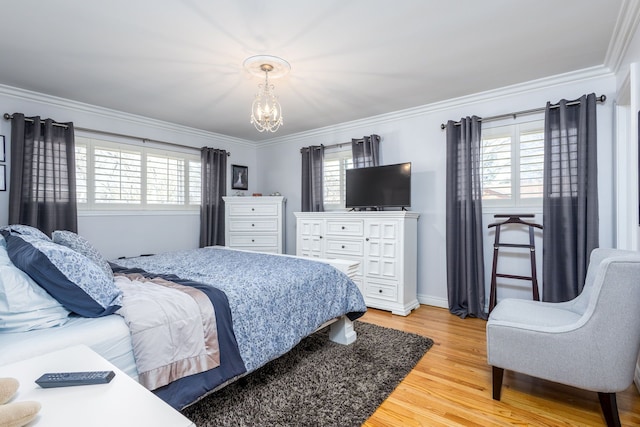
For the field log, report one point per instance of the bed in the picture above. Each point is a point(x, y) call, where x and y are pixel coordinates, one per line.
point(263, 306)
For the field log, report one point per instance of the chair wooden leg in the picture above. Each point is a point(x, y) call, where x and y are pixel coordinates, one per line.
point(498, 373)
point(609, 407)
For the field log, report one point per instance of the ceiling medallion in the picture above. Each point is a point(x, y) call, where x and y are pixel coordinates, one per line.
point(266, 112)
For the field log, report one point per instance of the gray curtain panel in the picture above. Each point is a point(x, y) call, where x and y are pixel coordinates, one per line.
point(465, 254)
point(366, 151)
point(312, 176)
point(42, 189)
point(214, 186)
point(570, 203)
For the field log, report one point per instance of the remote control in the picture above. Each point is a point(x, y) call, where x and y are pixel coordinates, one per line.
point(67, 379)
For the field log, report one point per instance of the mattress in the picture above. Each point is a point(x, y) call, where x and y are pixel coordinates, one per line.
point(108, 336)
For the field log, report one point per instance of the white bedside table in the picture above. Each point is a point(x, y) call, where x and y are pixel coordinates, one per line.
point(121, 403)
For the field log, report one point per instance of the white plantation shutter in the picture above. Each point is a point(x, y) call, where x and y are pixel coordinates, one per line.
point(335, 164)
point(496, 168)
point(165, 180)
point(117, 176)
point(125, 176)
point(194, 182)
point(531, 164)
point(512, 165)
point(81, 173)
point(331, 182)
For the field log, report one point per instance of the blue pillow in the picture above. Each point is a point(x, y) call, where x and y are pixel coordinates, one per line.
point(25, 230)
point(82, 246)
point(71, 278)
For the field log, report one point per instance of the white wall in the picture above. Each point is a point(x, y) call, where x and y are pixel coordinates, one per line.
point(628, 88)
point(411, 135)
point(138, 232)
point(415, 135)
point(627, 174)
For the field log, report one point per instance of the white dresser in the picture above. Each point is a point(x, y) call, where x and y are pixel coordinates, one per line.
point(385, 244)
point(254, 223)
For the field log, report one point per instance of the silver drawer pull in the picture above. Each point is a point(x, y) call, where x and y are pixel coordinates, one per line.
point(343, 227)
point(342, 246)
point(379, 290)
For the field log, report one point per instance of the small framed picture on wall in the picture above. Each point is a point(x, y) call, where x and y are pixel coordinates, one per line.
point(239, 177)
point(3, 178)
point(3, 155)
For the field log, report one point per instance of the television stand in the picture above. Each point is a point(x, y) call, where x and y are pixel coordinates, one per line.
point(383, 242)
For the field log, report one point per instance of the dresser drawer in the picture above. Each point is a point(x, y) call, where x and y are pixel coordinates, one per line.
point(252, 240)
point(384, 291)
point(251, 210)
point(345, 228)
point(344, 247)
point(253, 224)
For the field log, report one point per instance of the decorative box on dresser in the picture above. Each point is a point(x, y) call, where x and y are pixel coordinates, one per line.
point(255, 223)
point(384, 242)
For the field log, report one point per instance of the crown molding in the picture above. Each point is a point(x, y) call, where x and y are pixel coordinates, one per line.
point(109, 114)
point(495, 94)
point(623, 33)
point(491, 95)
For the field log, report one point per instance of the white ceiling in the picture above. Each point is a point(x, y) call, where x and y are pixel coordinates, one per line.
point(181, 60)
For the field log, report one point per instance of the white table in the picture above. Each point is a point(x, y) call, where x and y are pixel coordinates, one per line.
point(122, 402)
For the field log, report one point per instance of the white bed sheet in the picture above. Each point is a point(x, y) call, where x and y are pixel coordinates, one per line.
point(108, 336)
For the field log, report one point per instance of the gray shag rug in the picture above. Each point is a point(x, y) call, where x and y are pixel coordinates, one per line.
point(318, 383)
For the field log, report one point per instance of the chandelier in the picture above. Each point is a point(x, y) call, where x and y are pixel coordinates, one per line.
point(266, 112)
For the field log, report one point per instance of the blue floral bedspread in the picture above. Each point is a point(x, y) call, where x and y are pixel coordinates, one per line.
point(275, 300)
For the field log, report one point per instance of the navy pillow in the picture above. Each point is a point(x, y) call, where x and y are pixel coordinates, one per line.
point(71, 278)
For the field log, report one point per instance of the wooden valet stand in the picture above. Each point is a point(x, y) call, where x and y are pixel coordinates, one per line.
point(514, 219)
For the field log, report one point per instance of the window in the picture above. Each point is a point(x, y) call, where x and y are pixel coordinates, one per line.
point(336, 161)
point(122, 176)
point(512, 165)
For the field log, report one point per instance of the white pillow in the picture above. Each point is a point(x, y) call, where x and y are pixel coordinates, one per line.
point(24, 305)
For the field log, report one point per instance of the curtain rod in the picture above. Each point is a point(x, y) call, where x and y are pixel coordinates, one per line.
point(338, 144)
point(601, 98)
point(8, 116)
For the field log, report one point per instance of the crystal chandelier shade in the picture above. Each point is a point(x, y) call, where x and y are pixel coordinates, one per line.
point(266, 111)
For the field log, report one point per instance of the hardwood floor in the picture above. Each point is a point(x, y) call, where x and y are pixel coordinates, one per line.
point(451, 385)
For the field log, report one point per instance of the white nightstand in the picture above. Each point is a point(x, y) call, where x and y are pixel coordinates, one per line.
point(122, 402)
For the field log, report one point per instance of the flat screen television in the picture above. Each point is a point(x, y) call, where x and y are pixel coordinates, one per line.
point(379, 187)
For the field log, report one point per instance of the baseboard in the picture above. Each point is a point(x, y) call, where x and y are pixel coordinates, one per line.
point(434, 301)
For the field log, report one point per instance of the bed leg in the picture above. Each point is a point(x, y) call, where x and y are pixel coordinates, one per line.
point(342, 332)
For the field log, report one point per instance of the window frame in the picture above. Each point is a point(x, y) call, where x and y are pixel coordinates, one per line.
point(91, 142)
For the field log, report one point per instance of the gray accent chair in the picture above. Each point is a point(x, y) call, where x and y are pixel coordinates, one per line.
point(591, 342)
